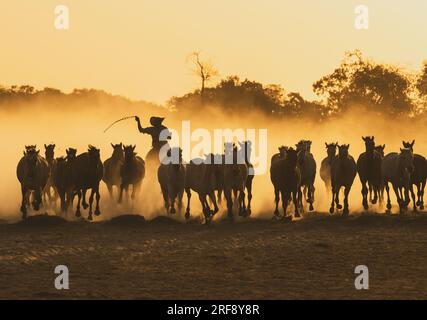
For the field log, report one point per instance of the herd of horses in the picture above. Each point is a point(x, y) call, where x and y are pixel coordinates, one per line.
point(44, 179)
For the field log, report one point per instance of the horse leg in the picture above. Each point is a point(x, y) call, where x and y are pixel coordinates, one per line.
point(92, 193)
point(337, 199)
point(165, 194)
point(229, 199)
point(187, 211)
point(79, 198)
point(346, 210)
point(24, 192)
point(285, 200)
point(364, 194)
point(242, 205)
point(295, 200)
point(249, 188)
point(172, 198)
point(423, 185)
point(276, 199)
point(311, 190)
point(387, 189)
point(219, 196)
point(84, 203)
point(213, 201)
point(332, 208)
point(411, 189)
point(399, 199)
point(180, 195)
point(122, 187)
point(205, 207)
point(98, 197)
point(110, 190)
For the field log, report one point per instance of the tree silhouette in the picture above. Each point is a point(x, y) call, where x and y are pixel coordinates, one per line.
point(382, 88)
point(204, 70)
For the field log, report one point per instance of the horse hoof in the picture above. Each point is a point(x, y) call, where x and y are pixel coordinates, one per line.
point(97, 212)
point(287, 218)
point(331, 210)
point(187, 215)
point(85, 206)
point(311, 207)
point(388, 206)
point(78, 214)
point(365, 206)
point(172, 211)
point(345, 212)
point(339, 207)
point(418, 203)
point(90, 218)
point(248, 212)
point(297, 215)
point(422, 207)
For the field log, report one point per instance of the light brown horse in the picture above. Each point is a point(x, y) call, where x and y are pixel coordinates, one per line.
point(200, 177)
point(32, 172)
point(235, 177)
point(50, 193)
point(171, 177)
point(397, 168)
point(326, 165)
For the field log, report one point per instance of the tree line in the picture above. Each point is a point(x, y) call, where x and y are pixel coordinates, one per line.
point(380, 88)
point(384, 89)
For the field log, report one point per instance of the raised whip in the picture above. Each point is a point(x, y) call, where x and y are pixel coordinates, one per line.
point(125, 118)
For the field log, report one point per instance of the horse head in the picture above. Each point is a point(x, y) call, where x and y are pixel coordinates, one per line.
point(343, 151)
point(369, 143)
point(71, 154)
point(380, 150)
point(331, 149)
point(129, 152)
point(409, 145)
point(118, 150)
point(49, 151)
point(406, 159)
point(94, 153)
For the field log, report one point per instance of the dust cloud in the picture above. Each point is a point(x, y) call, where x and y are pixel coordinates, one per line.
point(80, 125)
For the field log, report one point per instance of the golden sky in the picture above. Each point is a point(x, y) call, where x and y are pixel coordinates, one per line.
point(138, 48)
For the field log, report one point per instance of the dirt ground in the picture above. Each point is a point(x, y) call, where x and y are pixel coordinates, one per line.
point(127, 258)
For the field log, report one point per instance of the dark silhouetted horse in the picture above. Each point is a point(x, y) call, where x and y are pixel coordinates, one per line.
point(418, 177)
point(32, 172)
point(112, 168)
point(87, 174)
point(285, 175)
point(343, 173)
point(63, 178)
point(307, 165)
point(397, 169)
point(132, 172)
point(369, 170)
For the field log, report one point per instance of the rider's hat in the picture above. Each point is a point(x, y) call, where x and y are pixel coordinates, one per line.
point(156, 121)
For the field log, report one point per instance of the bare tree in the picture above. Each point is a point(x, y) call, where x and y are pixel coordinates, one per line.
point(203, 69)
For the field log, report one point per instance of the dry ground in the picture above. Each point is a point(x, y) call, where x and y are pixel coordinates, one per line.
point(163, 259)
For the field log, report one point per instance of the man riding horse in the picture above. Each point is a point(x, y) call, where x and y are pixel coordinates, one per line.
point(159, 134)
